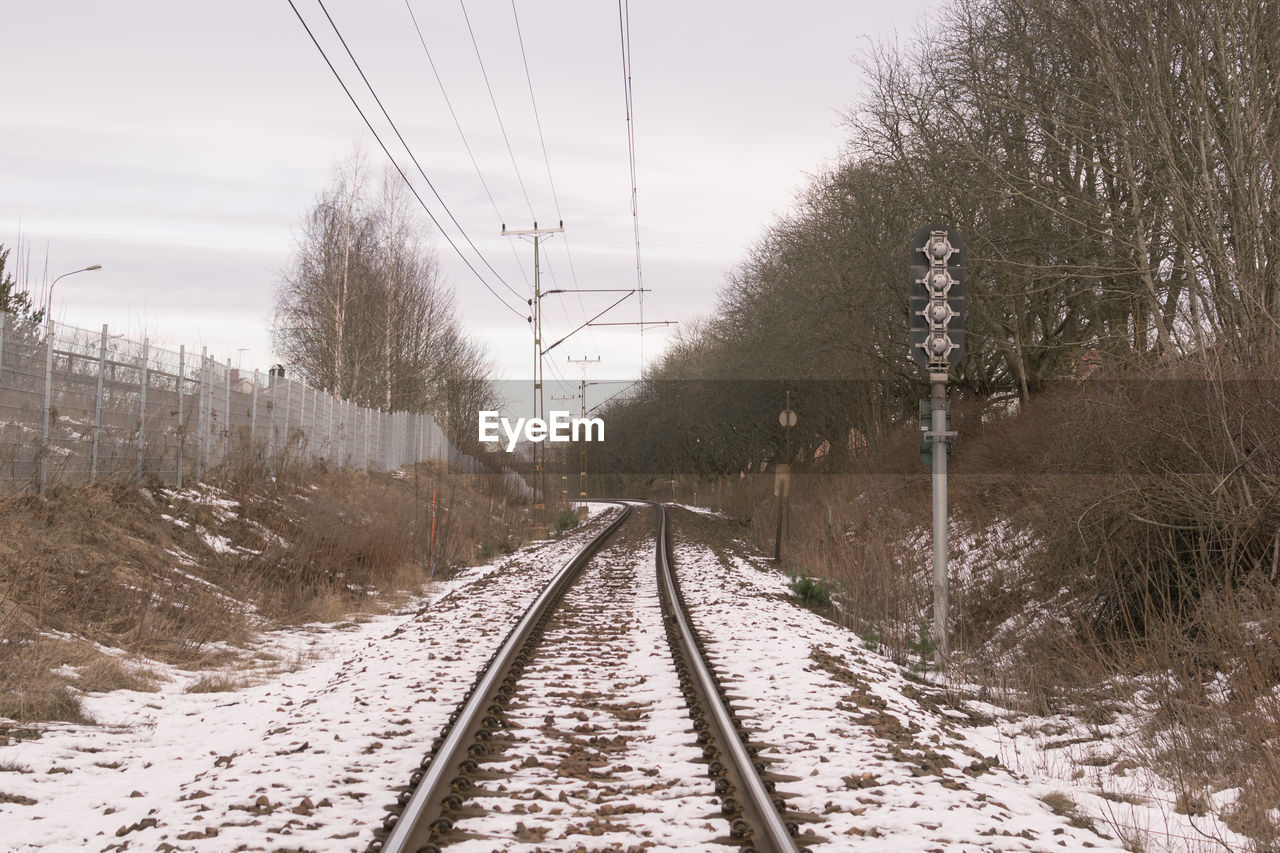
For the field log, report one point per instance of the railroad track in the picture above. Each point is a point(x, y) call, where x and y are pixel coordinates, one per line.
point(568, 644)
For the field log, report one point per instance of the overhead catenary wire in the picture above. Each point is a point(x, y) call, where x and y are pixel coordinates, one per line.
point(463, 136)
point(497, 113)
point(409, 150)
point(624, 29)
point(546, 160)
point(377, 137)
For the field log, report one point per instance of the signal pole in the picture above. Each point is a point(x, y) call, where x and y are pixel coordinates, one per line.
point(539, 405)
point(936, 340)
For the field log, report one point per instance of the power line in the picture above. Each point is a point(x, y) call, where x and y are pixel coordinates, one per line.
point(465, 144)
point(555, 197)
point(400, 137)
point(396, 164)
point(624, 30)
point(496, 112)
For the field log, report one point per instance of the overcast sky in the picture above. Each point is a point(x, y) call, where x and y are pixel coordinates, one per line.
point(179, 144)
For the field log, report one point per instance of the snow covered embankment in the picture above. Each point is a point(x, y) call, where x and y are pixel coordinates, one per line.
point(878, 762)
point(305, 761)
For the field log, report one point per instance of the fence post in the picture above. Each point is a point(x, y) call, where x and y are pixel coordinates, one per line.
point(364, 457)
point(4, 321)
point(288, 403)
point(253, 413)
point(182, 426)
point(48, 404)
point(329, 443)
point(226, 429)
point(142, 405)
point(97, 407)
point(315, 423)
point(348, 437)
point(202, 416)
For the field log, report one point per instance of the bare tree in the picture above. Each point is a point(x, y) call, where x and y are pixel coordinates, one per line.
point(362, 310)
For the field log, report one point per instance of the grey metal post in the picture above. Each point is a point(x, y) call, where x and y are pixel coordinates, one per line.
point(48, 406)
point(202, 416)
point(182, 425)
point(288, 404)
point(4, 321)
point(97, 407)
point(328, 428)
point(142, 405)
point(367, 426)
point(938, 412)
point(226, 413)
point(253, 413)
point(206, 410)
point(315, 422)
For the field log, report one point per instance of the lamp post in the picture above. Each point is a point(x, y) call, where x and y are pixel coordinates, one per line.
point(48, 373)
point(48, 305)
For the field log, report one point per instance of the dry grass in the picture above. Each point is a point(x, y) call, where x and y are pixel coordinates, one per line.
point(1151, 556)
point(220, 682)
point(99, 567)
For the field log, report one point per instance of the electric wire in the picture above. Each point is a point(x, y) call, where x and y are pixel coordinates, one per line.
point(497, 113)
point(465, 143)
point(546, 160)
point(603, 402)
point(409, 150)
point(351, 97)
point(624, 30)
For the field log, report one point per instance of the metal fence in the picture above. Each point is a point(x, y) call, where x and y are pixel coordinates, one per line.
point(80, 406)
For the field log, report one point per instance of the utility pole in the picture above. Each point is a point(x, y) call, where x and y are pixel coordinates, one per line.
point(582, 445)
point(539, 405)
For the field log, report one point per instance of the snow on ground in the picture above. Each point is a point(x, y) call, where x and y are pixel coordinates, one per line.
point(1096, 765)
point(875, 760)
point(337, 716)
point(887, 763)
point(303, 760)
point(700, 510)
point(605, 752)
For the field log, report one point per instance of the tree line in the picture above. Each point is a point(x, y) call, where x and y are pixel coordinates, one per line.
point(1112, 167)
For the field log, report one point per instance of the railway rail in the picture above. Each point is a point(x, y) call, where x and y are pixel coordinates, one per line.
point(439, 792)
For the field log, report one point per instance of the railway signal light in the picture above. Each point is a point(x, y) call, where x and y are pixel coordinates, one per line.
point(936, 280)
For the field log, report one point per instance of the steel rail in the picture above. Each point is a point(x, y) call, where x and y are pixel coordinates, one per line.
point(411, 830)
point(769, 832)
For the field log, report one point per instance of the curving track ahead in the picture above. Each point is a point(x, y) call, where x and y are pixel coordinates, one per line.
point(439, 792)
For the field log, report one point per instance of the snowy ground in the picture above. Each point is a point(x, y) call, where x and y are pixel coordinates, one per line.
point(306, 756)
point(883, 762)
point(305, 759)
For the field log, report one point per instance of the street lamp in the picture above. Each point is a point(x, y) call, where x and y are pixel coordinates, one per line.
point(48, 307)
point(48, 374)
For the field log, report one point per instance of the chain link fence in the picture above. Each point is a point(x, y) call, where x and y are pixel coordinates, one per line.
point(79, 406)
